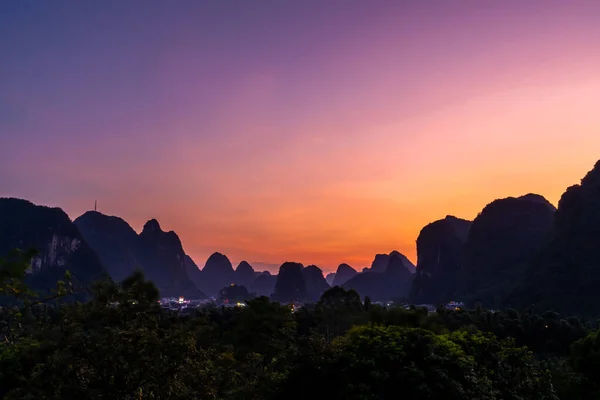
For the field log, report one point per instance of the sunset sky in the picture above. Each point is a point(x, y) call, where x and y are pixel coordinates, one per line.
point(314, 131)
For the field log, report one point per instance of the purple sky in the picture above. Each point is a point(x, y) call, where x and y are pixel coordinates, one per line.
point(316, 131)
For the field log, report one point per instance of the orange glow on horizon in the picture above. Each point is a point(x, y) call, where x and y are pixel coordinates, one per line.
point(275, 140)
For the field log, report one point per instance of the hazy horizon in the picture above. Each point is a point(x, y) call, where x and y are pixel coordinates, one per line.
point(317, 132)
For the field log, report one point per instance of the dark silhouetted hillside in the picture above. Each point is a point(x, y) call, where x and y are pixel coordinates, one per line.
point(115, 242)
point(343, 273)
point(164, 261)
point(565, 276)
point(290, 285)
point(440, 249)
point(503, 240)
point(158, 254)
point(315, 283)
point(264, 285)
point(329, 278)
point(393, 283)
point(216, 274)
point(233, 294)
point(192, 270)
point(381, 262)
point(244, 274)
point(61, 246)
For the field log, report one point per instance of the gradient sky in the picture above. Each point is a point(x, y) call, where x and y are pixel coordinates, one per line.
point(312, 131)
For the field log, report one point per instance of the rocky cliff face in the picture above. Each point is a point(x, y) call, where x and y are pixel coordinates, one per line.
point(565, 275)
point(61, 246)
point(440, 248)
point(503, 240)
point(393, 283)
point(343, 273)
point(290, 285)
point(216, 274)
point(157, 253)
point(315, 283)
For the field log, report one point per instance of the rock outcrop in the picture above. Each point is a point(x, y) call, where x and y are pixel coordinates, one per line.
point(343, 273)
point(381, 262)
point(565, 275)
point(61, 246)
point(158, 254)
point(392, 284)
point(115, 242)
point(216, 274)
point(503, 240)
point(440, 248)
point(163, 260)
point(290, 285)
point(315, 283)
point(244, 274)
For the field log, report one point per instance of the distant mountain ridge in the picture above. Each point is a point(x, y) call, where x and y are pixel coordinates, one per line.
point(518, 251)
point(343, 273)
point(157, 253)
point(390, 277)
point(315, 283)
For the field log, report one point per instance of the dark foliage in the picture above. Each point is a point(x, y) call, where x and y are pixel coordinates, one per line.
point(121, 345)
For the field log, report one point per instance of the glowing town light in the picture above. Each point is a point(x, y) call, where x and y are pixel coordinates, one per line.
point(180, 299)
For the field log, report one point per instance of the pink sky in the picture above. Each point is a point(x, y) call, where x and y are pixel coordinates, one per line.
point(314, 133)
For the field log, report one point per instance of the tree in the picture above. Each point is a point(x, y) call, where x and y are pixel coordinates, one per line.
point(378, 362)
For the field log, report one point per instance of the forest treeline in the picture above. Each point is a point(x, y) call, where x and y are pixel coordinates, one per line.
point(120, 344)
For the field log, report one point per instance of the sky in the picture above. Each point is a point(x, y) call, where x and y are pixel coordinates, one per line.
point(321, 132)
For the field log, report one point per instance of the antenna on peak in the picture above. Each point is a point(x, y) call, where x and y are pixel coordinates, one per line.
point(95, 205)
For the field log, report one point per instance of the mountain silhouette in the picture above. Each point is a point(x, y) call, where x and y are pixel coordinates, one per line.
point(503, 240)
point(115, 242)
point(216, 274)
point(244, 274)
point(393, 282)
point(192, 270)
point(381, 262)
point(290, 284)
point(329, 278)
point(158, 254)
point(61, 246)
point(315, 283)
point(264, 285)
point(164, 261)
point(440, 250)
point(343, 273)
point(565, 275)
